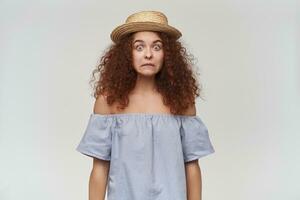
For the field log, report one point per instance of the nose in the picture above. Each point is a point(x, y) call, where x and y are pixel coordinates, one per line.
point(148, 53)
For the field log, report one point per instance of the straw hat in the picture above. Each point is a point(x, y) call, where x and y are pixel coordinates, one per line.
point(144, 21)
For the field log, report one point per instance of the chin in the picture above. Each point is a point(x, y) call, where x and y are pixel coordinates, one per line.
point(147, 74)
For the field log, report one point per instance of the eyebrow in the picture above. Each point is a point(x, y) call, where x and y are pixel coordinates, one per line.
point(143, 41)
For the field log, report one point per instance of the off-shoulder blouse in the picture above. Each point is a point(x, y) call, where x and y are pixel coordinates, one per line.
point(147, 152)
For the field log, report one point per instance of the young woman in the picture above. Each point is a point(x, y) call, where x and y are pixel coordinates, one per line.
point(144, 135)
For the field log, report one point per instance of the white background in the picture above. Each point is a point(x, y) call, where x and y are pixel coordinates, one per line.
point(248, 56)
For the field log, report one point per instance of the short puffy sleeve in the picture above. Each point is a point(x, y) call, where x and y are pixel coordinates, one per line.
point(97, 138)
point(195, 138)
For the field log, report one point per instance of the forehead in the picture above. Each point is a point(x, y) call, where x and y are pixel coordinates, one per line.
point(146, 36)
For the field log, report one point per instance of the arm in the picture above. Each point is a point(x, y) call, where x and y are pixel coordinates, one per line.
point(98, 179)
point(193, 180)
point(100, 170)
point(192, 171)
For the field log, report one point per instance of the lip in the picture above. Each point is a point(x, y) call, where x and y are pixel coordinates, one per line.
point(148, 64)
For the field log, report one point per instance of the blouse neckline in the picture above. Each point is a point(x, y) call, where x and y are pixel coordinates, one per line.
point(142, 115)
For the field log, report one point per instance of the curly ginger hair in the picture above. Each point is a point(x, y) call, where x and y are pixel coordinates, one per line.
point(176, 81)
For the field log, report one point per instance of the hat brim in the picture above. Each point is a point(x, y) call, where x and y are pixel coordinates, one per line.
point(125, 29)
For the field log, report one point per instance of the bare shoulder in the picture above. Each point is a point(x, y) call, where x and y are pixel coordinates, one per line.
point(191, 110)
point(101, 106)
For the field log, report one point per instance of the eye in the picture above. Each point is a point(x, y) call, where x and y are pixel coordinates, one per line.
point(139, 47)
point(157, 47)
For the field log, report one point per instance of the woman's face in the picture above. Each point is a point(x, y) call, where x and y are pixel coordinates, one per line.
point(147, 53)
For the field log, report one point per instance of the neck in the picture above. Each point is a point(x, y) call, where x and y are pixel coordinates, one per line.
point(145, 85)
